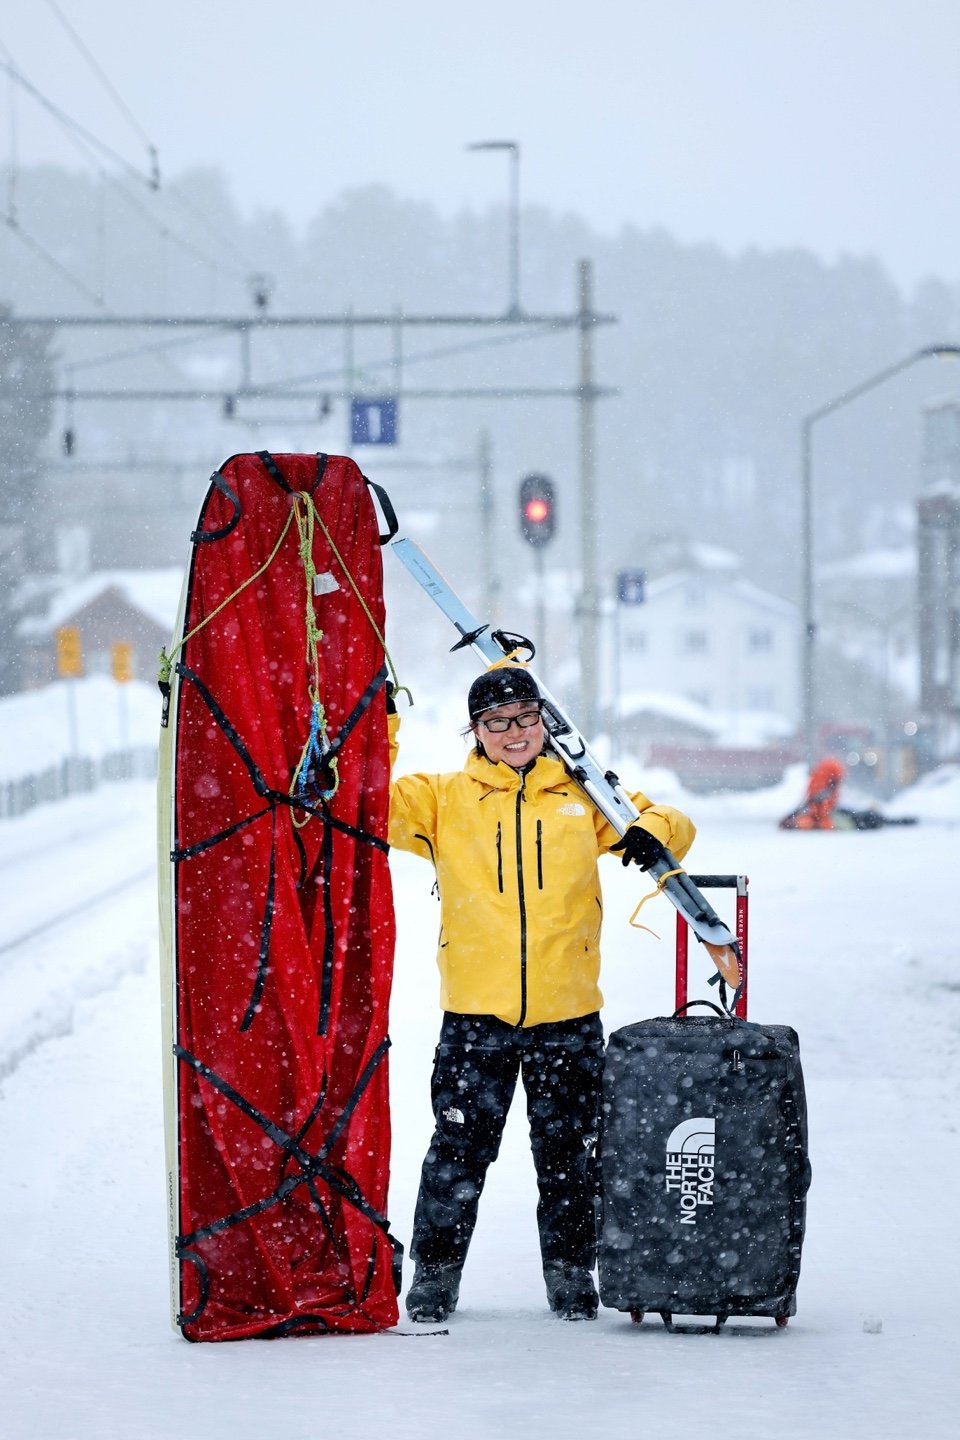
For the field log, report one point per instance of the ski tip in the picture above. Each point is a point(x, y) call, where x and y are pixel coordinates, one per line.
point(725, 959)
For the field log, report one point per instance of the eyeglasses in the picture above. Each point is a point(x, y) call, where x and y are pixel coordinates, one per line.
point(500, 724)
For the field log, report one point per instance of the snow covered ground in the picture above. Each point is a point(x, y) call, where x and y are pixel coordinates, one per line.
point(852, 942)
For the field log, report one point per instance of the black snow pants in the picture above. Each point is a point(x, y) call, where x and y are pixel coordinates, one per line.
point(474, 1078)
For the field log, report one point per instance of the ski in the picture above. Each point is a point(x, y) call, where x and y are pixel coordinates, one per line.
point(602, 787)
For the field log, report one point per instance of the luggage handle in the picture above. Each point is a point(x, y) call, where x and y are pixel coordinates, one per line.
point(740, 883)
point(688, 1004)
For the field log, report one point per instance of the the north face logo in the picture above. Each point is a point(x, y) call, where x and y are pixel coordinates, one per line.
point(454, 1115)
point(690, 1165)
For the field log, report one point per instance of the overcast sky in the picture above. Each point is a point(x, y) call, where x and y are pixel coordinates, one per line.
point(829, 124)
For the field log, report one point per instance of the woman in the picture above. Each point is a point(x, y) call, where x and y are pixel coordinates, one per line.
point(515, 846)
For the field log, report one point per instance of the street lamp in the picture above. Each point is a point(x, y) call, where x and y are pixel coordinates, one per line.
point(809, 624)
point(513, 238)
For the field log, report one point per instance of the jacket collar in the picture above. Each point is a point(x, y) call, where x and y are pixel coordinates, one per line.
point(546, 773)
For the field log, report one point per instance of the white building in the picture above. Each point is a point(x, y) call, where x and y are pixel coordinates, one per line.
point(709, 636)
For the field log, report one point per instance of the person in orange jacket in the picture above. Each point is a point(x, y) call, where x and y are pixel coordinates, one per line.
point(823, 792)
point(515, 845)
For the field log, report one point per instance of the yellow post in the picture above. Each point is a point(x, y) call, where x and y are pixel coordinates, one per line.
point(121, 661)
point(121, 665)
point(69, 653)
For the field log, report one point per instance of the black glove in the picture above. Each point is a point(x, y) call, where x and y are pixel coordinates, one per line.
point(639, 847)
point(391, 702)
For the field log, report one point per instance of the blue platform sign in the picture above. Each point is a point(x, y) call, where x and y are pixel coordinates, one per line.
point(631, 586)
point(373, 420)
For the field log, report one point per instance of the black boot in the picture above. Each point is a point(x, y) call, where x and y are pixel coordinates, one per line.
point(434, 1292)
point(570, 1291)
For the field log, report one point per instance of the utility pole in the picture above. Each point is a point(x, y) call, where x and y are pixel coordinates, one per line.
point(589, 599)
point(491, 585)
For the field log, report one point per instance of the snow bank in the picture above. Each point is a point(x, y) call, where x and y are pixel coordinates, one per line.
point(36, 727)
point(936, 796)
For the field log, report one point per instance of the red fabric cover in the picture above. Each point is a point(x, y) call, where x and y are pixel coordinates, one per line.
point(311, 1261)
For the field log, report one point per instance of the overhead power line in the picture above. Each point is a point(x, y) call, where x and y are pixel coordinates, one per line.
point(51, 260)
point(88, 145)
point(111, 90)
point(17, 75)
point(88, 142)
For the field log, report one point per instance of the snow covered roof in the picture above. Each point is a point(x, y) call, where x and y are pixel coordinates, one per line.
point(744, 590)
point(736, 728)
point(670, 706)
point(156, 593)
point(888, 563)
point(712, 557)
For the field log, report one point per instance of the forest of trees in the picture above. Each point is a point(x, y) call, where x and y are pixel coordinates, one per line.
point(716, 357)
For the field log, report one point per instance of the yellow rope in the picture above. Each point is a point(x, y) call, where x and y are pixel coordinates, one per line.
point(166, 661)
point(318, 719)
point(667, 875)
point(306, 515)
point(510, 659)
point(363, 604)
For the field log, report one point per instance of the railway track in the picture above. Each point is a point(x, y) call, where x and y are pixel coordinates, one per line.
point(73, 911)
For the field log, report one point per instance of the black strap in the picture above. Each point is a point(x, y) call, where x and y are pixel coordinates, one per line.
point(265, 791)
point(198, 537)
point(326, 969)
point(266, 929)
point(275, 473)
point(312, 1166)
point(188, 852)
point(389, 514)
point(302, 855)
point(274, 798)
point(343, 734)
point(273, 470)
point(257, 777)
point(204, 1279)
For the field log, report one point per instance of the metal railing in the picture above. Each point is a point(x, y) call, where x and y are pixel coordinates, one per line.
point(75, 775)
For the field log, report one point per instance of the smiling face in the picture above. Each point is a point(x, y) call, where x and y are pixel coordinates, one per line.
point(518, 745)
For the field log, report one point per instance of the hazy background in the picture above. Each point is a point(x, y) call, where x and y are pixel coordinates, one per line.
point(827, 124)
point(767, 192)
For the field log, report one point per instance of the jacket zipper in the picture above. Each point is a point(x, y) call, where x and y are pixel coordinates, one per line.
point(539, 854)
point(500, 856)
point(523, 908)
point(435, 888)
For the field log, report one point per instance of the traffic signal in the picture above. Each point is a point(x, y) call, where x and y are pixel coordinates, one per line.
point(538, 509)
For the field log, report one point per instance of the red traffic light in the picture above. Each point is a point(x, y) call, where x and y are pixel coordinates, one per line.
point(537, 509)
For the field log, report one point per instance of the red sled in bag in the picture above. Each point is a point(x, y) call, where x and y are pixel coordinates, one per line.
point(277, 927)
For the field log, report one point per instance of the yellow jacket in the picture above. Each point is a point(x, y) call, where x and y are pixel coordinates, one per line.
point(516, 862)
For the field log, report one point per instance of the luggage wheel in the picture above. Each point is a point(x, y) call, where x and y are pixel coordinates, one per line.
point(637, 1316)
point(781, 1321)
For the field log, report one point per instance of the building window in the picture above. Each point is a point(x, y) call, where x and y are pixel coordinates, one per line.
point(695, 642)
point(700, 697)
point(636, 641)
point(759, 639)
point(760, 697)
point(695, 594)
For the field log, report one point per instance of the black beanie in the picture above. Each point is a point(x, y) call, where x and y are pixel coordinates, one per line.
point(503, 686)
